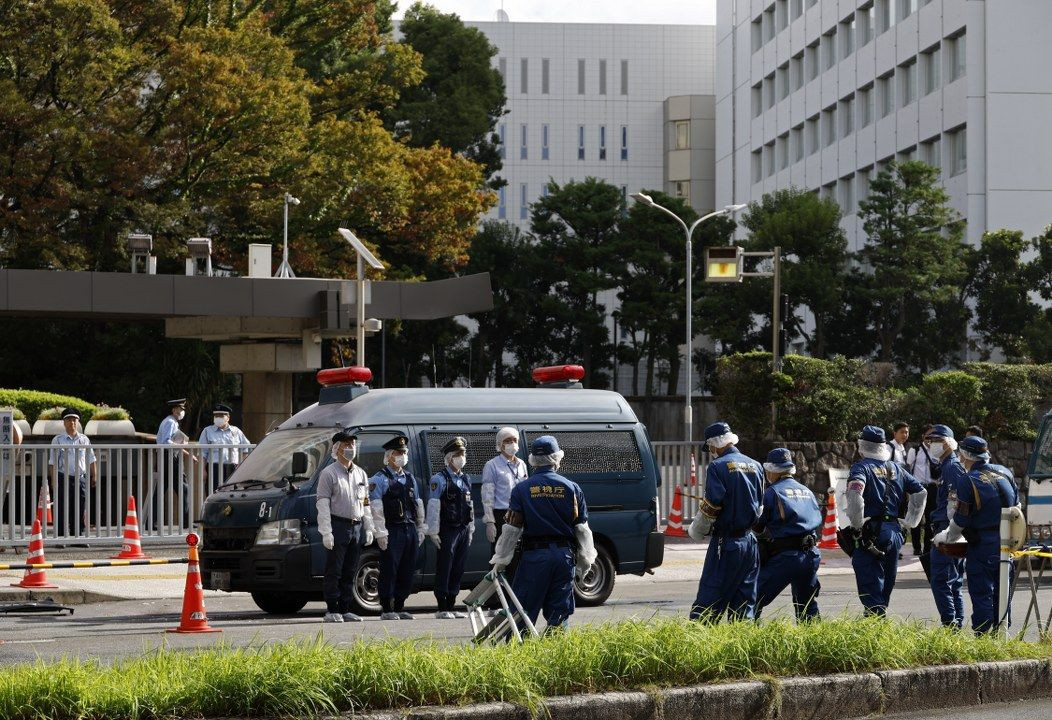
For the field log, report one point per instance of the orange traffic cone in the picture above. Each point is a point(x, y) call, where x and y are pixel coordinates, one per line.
point(828, 541)
point(194, 618)
point(44, 503)
point(35, 578)
point(674, 528)
point(693, 471)
point(132, 548)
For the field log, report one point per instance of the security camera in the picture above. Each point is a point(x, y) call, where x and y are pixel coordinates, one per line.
point(291, 200)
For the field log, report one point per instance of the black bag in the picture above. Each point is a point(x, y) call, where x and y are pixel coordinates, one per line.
point(847, 538)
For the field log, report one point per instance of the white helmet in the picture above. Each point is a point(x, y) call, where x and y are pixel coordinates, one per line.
point(503, 434)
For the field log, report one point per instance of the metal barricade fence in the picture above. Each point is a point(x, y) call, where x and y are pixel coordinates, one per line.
point(673, 461)
point(170, 484)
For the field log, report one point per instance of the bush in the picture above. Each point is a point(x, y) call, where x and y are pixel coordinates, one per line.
point(33, 402)
point(744, 387)
point(1010, 398)
point(17, 414)
point(105, 412)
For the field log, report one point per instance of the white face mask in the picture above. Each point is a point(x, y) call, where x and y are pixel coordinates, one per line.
point(458, 462)
point(511, 448)
point(350, 453)
point(400, 461)
point(221, 421)
point(180, 415)
point(935, 450)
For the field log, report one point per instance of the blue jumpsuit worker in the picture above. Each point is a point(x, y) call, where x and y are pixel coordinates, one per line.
point(947, 572)
point(983, 490)
point(343, 513)
point(788, 522)
point(549, 513)
point(731, 506)
point(170, 463)
point(875, 489)
point(398, 526)
point(451, 525)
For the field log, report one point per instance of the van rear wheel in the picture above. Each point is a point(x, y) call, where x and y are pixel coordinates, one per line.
point(365, 599)
point(597, 584)
point(274, 603)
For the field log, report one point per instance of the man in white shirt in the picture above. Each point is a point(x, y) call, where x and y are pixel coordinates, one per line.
point(499, 478)
point(72, 461)
point(221, 461)
point(921, 466)
point(900, 436)
point(170, 463)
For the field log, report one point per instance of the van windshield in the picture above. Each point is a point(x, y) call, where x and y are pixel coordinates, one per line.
point(272, 458)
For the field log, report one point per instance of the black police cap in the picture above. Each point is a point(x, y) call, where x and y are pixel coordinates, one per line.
point(396, 443)
point(454, 445)
point(176, 403)
point(221, 408)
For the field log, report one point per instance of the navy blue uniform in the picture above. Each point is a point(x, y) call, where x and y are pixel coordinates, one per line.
point(885, 484)
point(981, 494)
point(734, 484)
point(790, 516)
point(947, 573)
point(455, 529)
point(397, 493)
point(551, 507)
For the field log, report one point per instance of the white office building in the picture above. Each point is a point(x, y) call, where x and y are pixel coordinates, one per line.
point(820, 94)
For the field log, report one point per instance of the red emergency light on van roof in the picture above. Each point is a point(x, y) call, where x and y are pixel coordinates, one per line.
point(558, 373)
point(344, 375)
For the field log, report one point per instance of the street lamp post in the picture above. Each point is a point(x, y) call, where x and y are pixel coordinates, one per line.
point(285, 270)
point(688, 410)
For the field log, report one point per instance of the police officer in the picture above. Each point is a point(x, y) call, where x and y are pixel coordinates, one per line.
point(343, 514)
point(549, 513)
point(451, 525)
point(788, 522)
point(731, 506)
point(398, 523)
point(983, 490)
point(875, 489)
point(221, 462)
point(72, 463)
point(499, 477)
point(947, 572)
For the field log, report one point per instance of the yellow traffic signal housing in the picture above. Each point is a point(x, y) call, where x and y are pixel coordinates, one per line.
point(723, 264)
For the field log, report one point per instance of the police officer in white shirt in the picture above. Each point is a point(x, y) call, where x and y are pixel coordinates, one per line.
point(221, 461)
point(72, 461)
point(499, 477)
point(170, 462)
point(345, 524)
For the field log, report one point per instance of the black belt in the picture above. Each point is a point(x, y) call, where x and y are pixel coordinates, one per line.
point(346, 520)
point(793, 542)
point(540, 544)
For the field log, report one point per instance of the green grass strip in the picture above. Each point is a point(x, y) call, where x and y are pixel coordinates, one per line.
point(308, 678)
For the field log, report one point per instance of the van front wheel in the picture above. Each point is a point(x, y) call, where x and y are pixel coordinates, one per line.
point(365, 599)
point(597, 584)
point(274, 603)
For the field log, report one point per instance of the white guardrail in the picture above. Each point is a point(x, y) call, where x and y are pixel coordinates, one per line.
point(169, 484)
point(673, 461)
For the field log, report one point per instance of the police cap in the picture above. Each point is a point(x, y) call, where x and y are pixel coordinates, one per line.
point(70, 413)
point(455, 445)
point(544, 445)
point(178, 402)
point(940, 431)
point(976, 446)
point(780, 459)
point(716, 430)
point(873, 434)
point(396, 443)
point(220, 408)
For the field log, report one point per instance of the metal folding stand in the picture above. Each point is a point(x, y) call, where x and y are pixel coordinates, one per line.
point(509, 622)
point(1034, 577)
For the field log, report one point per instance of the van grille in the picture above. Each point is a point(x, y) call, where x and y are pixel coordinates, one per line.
point(609, 451)
point(226, 539)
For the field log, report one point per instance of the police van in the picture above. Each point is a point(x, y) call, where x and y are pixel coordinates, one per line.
point(1037, 484)
point(260, 530)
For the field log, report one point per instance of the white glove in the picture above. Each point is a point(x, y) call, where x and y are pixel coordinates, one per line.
point(471, 533)
point(381, 542)
point(436, 540)
point(940, 537)
point(499, 568)
point(368, 537)
point(328, 540)
point(700, 526)
point(420, 535)
point(491, 533)
point(949, 536)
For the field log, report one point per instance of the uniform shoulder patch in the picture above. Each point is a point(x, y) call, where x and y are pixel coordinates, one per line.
point(434, 486)
point(372, 486)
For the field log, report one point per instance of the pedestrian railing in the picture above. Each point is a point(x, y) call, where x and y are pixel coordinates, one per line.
point(674, 465)
point(169, 483)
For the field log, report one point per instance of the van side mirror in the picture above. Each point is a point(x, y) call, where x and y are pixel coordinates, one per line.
point(299, 463)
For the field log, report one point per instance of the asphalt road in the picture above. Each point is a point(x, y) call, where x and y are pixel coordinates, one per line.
point(1041, 708)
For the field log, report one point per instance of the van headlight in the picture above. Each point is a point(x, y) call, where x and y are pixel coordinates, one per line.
point(281, 532)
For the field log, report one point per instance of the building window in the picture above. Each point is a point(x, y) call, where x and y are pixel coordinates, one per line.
point(829, 49)
point(545, 67)
point(865, 106)
point(866, 17)
point(847, 38)
point(958, 56)
point(502, 64)
point(522, 146)
point(624, 77)
point(796, 71)
point(931, 70)
point(768, 89)
point(907, 154)
point(624, 142)
point(863, 179)
point(907, 8)
point(683, 189)
point(757, 34)
point(524, 205)
point(931, 153)
point(908, 82)
point(847, 195)
point(812, 135)
point(782, 76)
point(757, 166)
point(757, 99)
point(796, 138)
point(886, 88)
point(602, 142)
point(580, 142)
point(830, 121)
point(959, 151)
point(847, 114)
point(682, 134)
point(781, 15)
point(602, 77)
point(811, 60)
point(829, 191)
point(768, 159)
point(768, 24)
point(580, 77)
point(502, 207)
point(782, 149)
point(885, 15)
point(796, 9)
point(503, 141)
point(544, 142)
point(524, 76)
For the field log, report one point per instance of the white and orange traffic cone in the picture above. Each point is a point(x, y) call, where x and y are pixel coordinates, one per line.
point(828, 541)
point(132, 547)
point(693, 471)
point(35, 578)
point(674, 527)
point(44, 503)
point(194, 618)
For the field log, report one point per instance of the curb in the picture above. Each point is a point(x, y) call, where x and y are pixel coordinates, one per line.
point(825, 697)
point(61, 596)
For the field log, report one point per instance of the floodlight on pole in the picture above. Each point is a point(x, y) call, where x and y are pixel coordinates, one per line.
point(285, 270)
point(364, 256)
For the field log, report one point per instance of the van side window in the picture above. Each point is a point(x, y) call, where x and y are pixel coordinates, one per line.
point(603, 451)
point(371, 451)
point(481, 448)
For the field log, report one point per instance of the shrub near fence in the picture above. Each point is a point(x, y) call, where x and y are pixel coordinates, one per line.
point(33, 402)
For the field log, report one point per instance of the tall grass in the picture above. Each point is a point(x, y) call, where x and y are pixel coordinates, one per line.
point(308, 678)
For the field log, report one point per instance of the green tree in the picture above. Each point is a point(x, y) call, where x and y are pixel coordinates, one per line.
point(1000, 283)
point(1039, 331)
point(461, 96)
point(814, 257)
point(914, 258)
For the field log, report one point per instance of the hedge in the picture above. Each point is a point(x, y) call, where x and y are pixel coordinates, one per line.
point(829, 400)
point(33, 402)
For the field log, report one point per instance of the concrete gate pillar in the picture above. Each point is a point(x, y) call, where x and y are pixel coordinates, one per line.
point(266, 399)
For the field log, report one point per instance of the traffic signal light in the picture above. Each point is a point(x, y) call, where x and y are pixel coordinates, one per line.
point(723, 264)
